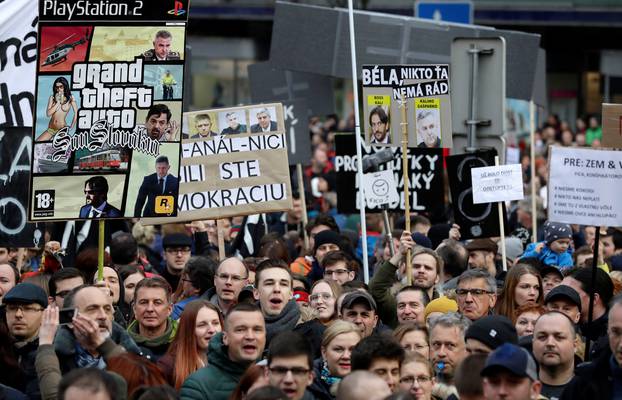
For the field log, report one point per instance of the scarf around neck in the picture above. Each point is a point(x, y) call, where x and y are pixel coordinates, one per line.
point(285, 321)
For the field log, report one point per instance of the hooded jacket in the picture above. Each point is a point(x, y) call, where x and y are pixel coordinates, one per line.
point(218, 379)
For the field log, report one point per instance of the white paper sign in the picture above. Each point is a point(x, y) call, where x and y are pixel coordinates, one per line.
point(380, 188)
point(497, 183)
point(584, 186)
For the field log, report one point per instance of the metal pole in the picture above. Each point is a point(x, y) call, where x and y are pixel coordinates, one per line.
point(471, 140)
point(359, 143)
point(532, 156)
point(590, 312)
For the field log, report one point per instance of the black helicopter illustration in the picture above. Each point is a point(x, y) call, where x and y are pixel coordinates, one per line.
point(60, 51)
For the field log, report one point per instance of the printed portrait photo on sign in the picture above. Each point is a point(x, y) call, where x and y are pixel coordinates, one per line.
point(152, 181)
point(161, 121)
point(151, 43)
point(202, 125)
point(57, 107)
point(78, 196)
point(263, 119)
point(427, 112)
point(379, 126)
point(232, 122)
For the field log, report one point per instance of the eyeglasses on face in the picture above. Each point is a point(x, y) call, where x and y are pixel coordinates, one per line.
point(474, 292)
point(177, 250)
point(297, 372)
point(234, 278)
point(410, 380)
point(30, 309)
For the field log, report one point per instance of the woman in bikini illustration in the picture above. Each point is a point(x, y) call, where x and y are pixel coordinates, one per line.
point(58, 107)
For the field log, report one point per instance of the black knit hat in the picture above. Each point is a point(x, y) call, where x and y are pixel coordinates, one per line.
point(493, 331)
point(327, 236)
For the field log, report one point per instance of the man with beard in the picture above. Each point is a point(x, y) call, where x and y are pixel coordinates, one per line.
point(24, 305)
point(482, 254)
point(159, 125)
point(92, 337)
point(97, 206)
point(426, 267)
point(379, 124)
point(553, 349)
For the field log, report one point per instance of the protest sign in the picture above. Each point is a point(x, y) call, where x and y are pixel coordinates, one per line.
point(497, 183)
point(425, 174)
point(475, 220)
point(15, 145)
point(18, 30)
point(380, 188)
point(236, 168)
point(108, 109)
point(612, 125)
point(584, 186)
point(297, 130)
point(426, 90)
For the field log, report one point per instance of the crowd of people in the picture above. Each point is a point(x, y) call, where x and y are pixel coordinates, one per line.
point(285, 314)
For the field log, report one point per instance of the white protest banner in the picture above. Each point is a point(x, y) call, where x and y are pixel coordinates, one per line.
point(234, 163)
point(584, 186)
point(380, 188)
point(497, 183)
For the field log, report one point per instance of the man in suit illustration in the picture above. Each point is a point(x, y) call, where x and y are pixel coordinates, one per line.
point(97, 206)
point(264, 123)
point(161, 183)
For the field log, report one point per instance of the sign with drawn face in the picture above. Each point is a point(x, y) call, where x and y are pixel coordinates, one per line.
point(380, 188)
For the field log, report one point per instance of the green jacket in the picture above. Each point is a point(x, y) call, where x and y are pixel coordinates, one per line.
point(154, 348)
point(380, 289)
point(218, 379)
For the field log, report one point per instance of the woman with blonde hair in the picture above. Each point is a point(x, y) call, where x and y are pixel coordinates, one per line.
point(413, 337)
point(523, 285)
point(337, 343)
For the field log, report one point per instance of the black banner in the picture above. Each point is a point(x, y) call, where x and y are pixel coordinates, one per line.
point(113, 10)
point(425, 174)
point(475, 220)
point(15, 145)
point(296, 114)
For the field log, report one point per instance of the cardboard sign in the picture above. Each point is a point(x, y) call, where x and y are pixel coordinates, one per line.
point(475, 220)
point(380, 188)
point(425, 89)
point(425, 175)
point(612, 125)
point(15, 231)
point(497, 183)
point(584, 186)
point(107, 124)
point(236, 166)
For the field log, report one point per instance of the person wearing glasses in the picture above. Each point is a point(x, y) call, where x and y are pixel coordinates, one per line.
point(476, 293)
point(61, 283)
point(323, 299)
point(177, 248)
point(96, 196)
point(417, 377)
point(290, 364)
point(339, 267)
point(24, 305)
point(230, 278)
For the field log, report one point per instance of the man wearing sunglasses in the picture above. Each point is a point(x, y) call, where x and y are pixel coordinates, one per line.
point(96, 195)
point(61, 283)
